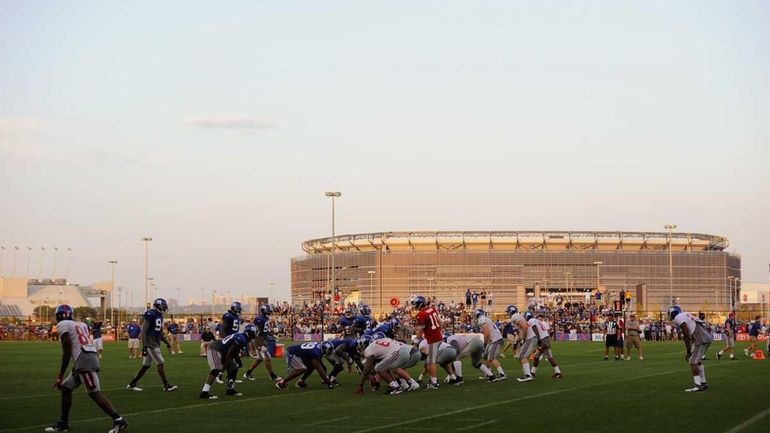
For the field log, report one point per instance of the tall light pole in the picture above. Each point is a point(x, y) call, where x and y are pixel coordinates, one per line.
point(112, 293)
point(55, 262)
point(670, 228)
point(67, 271)
point(146, 241)
point(15, 251)
point(333, 195)
point(2, 256)
point(371, 284)
point(29, 252)
point(176, 309)
point(271, 294)
point(213, 302)
point(598, 265)
point(42, 259)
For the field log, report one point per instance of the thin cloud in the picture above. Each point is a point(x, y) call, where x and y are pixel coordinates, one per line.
point(230, 122)
point(19, 124)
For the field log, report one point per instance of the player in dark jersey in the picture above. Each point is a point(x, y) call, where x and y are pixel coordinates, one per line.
point(231, 320)
point(362, 322)
point(389, 328)
point(222, 354)
point(302, 360)
point(346, 321)
point(260, 347)
point(152, 336)
point(340, 351)
point(96, 333)
point(173, 330)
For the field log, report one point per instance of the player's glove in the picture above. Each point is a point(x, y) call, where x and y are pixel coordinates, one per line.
point(57, 384)
point(360, 389)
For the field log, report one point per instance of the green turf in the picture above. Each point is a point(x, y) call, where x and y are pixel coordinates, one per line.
point(594, 396)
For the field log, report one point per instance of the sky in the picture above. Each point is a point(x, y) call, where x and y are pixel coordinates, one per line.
point(215, 128)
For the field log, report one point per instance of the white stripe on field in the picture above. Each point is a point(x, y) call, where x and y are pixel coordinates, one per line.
point(326, 421)
point(492, 421)
point(749, 421)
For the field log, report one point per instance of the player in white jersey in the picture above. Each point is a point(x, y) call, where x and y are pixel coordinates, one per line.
point(468, 345)
point(528, 334)
point(445, 357)
point(77, 345)
point(493, 342)
point(384, 357)
point(697, 339)
point(544, 348)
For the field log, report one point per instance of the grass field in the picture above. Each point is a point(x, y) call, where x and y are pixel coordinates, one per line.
point(594, 396)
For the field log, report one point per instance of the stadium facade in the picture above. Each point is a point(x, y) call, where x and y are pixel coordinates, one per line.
point(518, 267)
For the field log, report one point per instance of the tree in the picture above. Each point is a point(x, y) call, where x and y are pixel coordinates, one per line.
point(82, 312)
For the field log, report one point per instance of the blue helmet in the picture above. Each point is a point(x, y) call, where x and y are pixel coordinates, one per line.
point(511, 310)
point(349, 312)
point(369, 332)
point(674, 311)
point(379, 336)
point(250, 331)
point(420, 302)
point(480, 313)
point(160, 305)
point(265, 309)
point(365, 310)
point(236, 308)
point(64, 312)
point(327, 348)
point(447, 334)
point(395, 323)
point(528, 315)
point(363, 342)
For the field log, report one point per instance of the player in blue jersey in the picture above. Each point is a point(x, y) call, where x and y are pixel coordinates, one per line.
point(302, 360)
point(231, 320)
point(346, 321)
point(223, 355)
point(340, 351)
point(389, 328)
point(96, 333)
point(362, 322)
point(134, 331)
point(173, 330)
point(152, 335)
point(259, 349)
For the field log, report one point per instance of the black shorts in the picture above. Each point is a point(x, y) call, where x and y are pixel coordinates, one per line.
point(612, 341)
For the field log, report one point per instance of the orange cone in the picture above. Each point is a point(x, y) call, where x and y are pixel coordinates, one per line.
point(758, 355)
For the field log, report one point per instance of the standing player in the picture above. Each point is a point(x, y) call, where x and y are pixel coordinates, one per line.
point(468, 345)
point(231, 320)
point(729, 333)
point(152, 335)
point(133, 330)
point(260, 347)
point(96, 332)
point(611, 337)
point(297, 358)
point(544, 348)
point(493, 341)
point(173, 330)
point(222, 354)
point(697, 339)
point(76, 344)
point(207, 336)
point(363, 321)
point(633, 330)
point(429, 327)
point(527, 334)
point(754, 331)
point(346, 321)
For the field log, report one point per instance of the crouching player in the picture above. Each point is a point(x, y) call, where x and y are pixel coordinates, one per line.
point(384, 357)
point(302, 360)
point(544, 348)
point(340, 351)
point(697, 339)
point(223, 354)
point(76, 344)
point(445, 357)
point(468, 345)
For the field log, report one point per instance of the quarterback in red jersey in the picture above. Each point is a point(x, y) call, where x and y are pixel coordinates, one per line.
point(429, 327)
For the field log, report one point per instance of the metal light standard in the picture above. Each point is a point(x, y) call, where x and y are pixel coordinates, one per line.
point(15, 251)
point(371, 285)
point(2, 255)
point(670, 228)
point(112, 292)
point(146, 241)
point(333, 195)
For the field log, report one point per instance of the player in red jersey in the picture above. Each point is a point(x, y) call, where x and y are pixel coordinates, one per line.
point(429, 328)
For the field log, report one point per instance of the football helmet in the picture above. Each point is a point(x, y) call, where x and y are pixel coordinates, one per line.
point(236, 308)
point(160, 304)
point(250, 331)
point(64, 312)
point(447, 334)
point(378, 336)
point(365, 310)
point(349, 312)
point(528, 315)
point(511, 310)
point(674, 311)
point(327, 348)
point(265, 309)
point(480, 313)
point(363, 342)
point(395, 323)
point(420, 302)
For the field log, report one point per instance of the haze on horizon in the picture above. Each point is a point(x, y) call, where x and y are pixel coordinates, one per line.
point(216, 128)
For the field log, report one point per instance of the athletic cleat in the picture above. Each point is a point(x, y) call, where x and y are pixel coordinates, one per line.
point(557, 376)
point(491, 378)
point(718, 356)
point(459, 381)
point(301, 384)
point(207, 396)
point(247, 376)
point(394, 391)
point(502, 376)
point(219, 380)
point(133, 388)
point(534, 374)
point(527, 378)
point(119, 426)
point(695, 388)
point(58, 426)
point(704, 386)
point(170, 388)
point(641, 358)
point(280, 384)
point(414, 386)
point(605, 358)
point(233, 392)
point(238, 381)
point(431, 385)
point(404, 387)
point(746, 351)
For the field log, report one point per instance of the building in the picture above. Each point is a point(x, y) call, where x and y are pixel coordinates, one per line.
point(381, 269)
point(23, 295)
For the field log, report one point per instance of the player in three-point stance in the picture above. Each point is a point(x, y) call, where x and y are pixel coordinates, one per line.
point(468, 345)
point(152, 335)
point(493, 341)
point(222, 354)
point(429, 328)
point(387, 359)
point(302, 360)
point(697, 339)
point(544, 348)
point(77, 344)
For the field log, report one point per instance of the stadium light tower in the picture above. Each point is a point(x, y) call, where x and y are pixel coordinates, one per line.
point(112, 294)
point(670, 228)
point(146, 241)
point(333, 195)
point(2, 255)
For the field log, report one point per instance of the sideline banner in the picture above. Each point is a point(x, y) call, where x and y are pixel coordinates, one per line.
point(597, 337)
point(306, 337)
point(570, 336)
point(742, 336)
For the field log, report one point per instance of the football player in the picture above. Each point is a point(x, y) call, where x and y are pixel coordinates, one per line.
point(697, 338)
point(133, 330)
point(493, 341)
point(468, 345)
point(259, 348)
point(223, 354)
point(445, 358)
point(152, 335)
point(389, 328)
point(173, 329)
point(383, 357)
point(544, 348)
point(521, 321)
point(76, 345)
point(231, 320)
point(340, 351)
point(362, 322)
point(302, 360)
point(429, 327)
point(730, 331)
point(96, 332)
point(346, 321)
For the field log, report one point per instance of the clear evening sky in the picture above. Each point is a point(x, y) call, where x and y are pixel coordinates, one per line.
point(215, 127)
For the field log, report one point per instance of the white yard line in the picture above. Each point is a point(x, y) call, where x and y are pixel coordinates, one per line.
point(492, 421)
point(749, 421)
point(326, 421)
